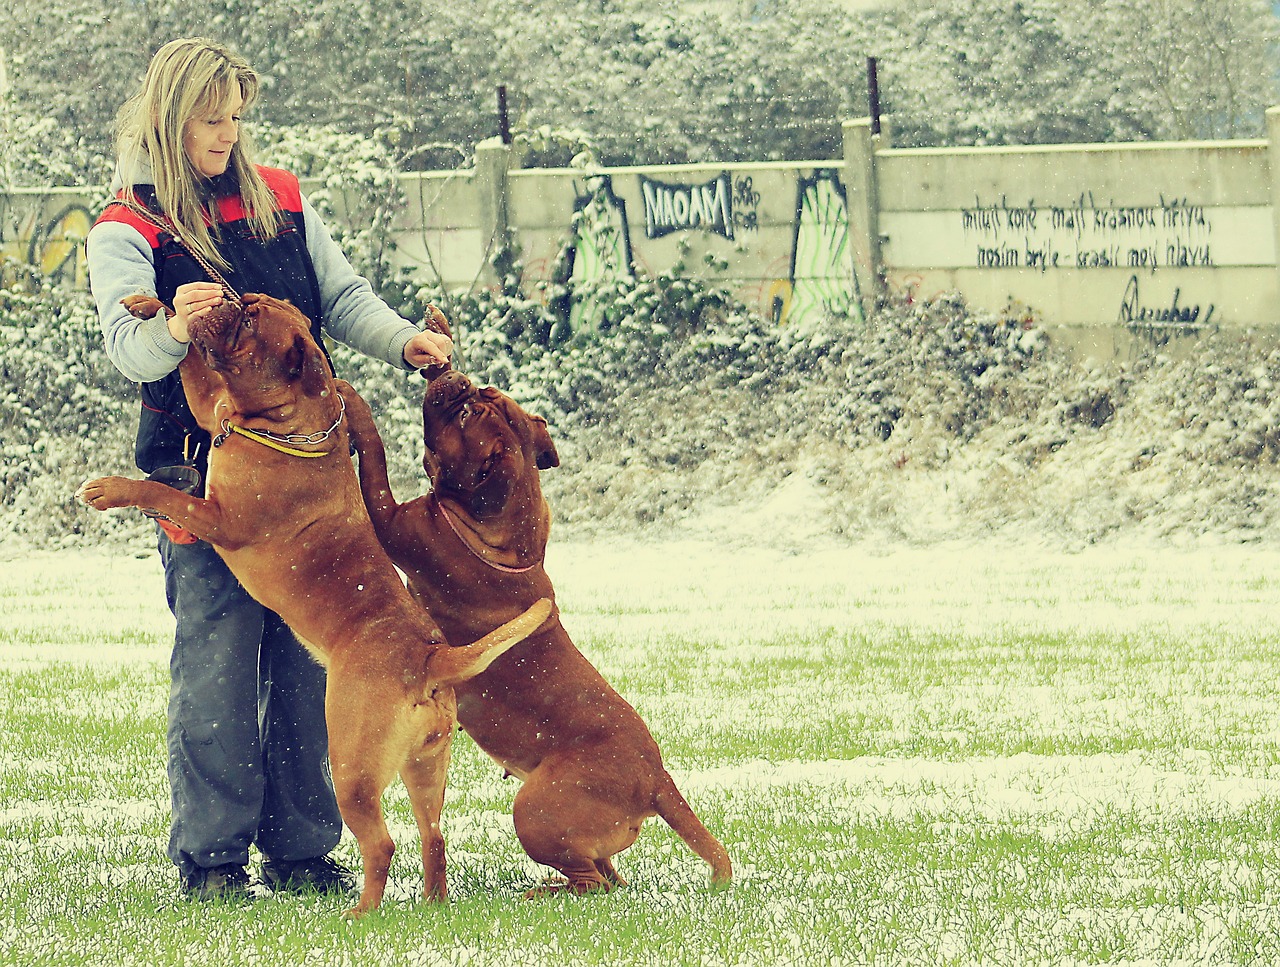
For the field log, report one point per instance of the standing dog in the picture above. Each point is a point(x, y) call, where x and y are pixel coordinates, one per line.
point(472, 551)
point(284, 510)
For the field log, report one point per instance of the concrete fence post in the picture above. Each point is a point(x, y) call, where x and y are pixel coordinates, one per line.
point(1273, 160)
point(493, 162)
point(863, 201)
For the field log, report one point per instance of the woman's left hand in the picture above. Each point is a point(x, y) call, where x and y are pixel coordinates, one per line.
point(428, 349)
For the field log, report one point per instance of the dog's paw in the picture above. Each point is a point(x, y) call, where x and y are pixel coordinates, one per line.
point(104, 493)
point(436, 321)
point(143, 306)
point(558, 886)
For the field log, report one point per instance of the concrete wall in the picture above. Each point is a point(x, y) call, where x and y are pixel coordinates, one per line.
point(782, 229)
point(1106, 243)
point(1155, 240)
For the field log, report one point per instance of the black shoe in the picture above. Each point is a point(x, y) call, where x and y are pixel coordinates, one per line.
point(319, 873)
point(227, 882)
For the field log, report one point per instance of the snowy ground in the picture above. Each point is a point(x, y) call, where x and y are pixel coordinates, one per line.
point(1018, 725)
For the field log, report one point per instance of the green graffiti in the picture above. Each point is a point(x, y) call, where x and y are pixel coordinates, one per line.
point(821, 279)
point(600, 250)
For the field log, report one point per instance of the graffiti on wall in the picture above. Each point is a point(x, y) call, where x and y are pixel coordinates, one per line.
point(54, 245)
point(1142, 240)
point(821, 282)
point(599, 251)
point(746, 202)
point(818, 279)
point(1161, 321)
point(1085, 235)
point(680, 208)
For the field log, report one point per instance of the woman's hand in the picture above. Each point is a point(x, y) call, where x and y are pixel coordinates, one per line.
point(428, 348)
point(192, 301)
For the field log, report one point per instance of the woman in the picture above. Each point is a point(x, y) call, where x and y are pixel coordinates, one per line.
point(246, 735)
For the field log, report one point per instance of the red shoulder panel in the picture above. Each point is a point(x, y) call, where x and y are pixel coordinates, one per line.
point(281, 183)
point(118, 213)
point(284, 185)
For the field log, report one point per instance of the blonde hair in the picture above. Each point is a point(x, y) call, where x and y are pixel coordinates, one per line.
point(189, 79)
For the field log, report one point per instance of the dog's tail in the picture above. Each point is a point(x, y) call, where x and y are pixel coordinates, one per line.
point(679, 815)
point(452, 665)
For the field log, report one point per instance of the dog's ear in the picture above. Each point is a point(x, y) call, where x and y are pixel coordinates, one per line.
point(295, 358)
point(545, 448)
point(540, 436)
point(304, 362)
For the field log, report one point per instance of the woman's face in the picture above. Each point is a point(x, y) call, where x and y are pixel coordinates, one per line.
point(208, 139)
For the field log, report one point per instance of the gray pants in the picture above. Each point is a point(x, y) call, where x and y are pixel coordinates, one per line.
point(248, 749)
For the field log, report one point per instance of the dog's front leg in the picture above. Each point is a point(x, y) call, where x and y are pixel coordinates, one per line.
point(375, 483)
point(201, 517)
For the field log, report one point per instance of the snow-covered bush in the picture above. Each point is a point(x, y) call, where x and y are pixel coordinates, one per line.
point(660, 327)
point(38, 152)
point(66, 415)
point(686, 412)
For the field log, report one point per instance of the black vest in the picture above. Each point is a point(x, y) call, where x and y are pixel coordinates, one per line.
point(279, 267)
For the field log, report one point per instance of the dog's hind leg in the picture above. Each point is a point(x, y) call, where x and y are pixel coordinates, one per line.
point(360, 801)
point(361, 728)
point(423, 775)
point(566, 837)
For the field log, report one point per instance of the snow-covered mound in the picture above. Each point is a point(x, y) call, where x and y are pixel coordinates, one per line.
point(934, 423)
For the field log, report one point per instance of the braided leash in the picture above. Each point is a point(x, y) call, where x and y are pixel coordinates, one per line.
point(165, 225)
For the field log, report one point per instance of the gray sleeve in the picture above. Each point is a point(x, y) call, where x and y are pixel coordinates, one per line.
point(120, 264)
point(353, 313)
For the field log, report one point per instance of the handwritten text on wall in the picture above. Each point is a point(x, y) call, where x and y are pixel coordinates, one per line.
point(1084, 235)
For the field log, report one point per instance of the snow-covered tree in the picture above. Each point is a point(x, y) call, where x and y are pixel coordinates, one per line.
point(660, 82)
point(1190, 68)
point(1050, 71)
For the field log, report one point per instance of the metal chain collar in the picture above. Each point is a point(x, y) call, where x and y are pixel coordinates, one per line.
point(292, 439)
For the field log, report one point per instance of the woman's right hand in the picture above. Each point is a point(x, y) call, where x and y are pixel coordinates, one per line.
point(192, 301)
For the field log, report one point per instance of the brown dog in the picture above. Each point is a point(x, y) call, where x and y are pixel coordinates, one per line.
point(472, 551)
point(284, 510)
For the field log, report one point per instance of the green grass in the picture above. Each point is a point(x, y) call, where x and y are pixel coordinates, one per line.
point(1015, 761)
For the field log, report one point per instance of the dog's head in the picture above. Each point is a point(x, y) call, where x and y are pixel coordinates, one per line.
point(480, 445)
point(264, 351)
